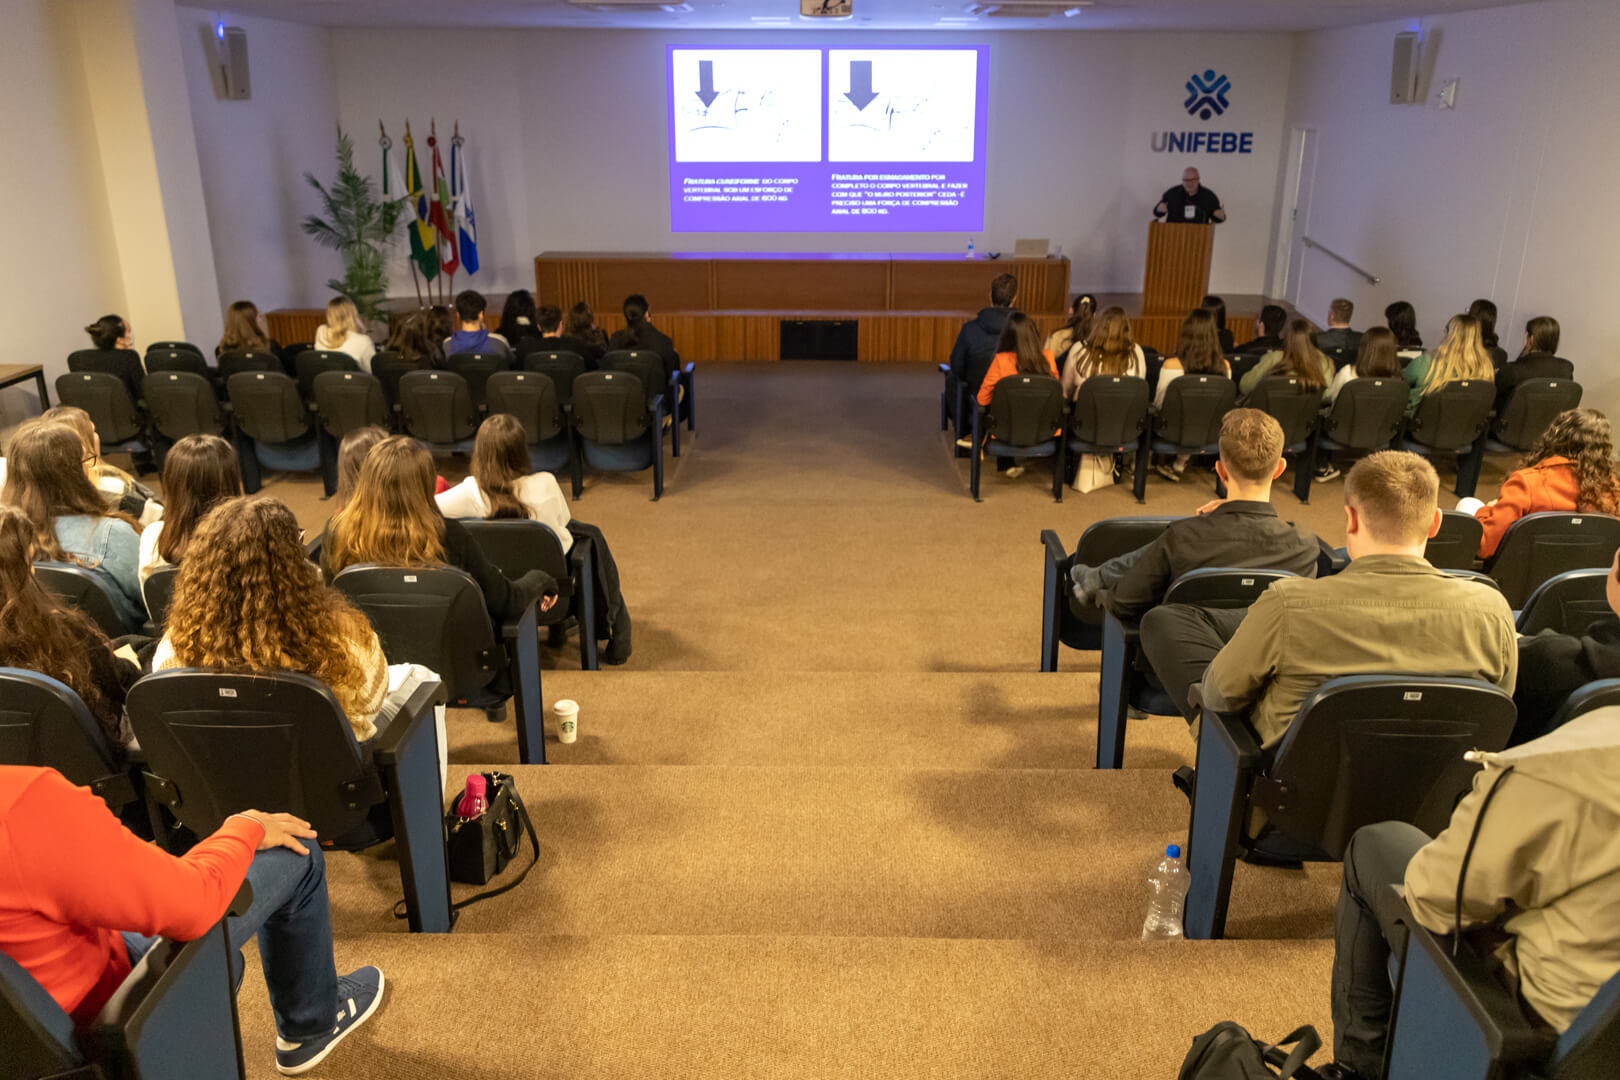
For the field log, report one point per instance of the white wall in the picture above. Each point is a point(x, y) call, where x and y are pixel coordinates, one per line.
point(567, 133)
point(254, 153)
point(1504, 197)
point(61, 272)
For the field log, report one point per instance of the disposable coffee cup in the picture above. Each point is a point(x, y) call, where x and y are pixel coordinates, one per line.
point(567, 713)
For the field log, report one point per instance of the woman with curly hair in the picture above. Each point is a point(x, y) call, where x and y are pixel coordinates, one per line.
point(1571, 468)
point(248, 600)
point(40, 634)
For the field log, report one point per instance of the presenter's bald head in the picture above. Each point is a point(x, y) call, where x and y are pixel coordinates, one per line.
point(1189, 180)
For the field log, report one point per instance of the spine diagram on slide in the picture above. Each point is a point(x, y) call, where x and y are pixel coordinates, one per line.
point(805, 140)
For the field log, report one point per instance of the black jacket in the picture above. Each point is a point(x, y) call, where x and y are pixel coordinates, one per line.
point(124, 363)
point(1531, 366)
point(1261, 345)
point(590, 350)
point(645, 335)
point(976, 346)
point(1237, 533)
point(1340, 345)
point(1553, 666)
point(524, 338)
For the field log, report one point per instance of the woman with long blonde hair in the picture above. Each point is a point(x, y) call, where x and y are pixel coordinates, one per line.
point(392, 519)
point(46, 480)
point(1460, 355)
point(247, 599)
point(344, 332)
point(1108, 349)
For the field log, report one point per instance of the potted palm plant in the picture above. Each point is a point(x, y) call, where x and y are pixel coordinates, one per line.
point(359, 224)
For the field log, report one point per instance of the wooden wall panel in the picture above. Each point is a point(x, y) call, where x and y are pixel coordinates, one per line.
point(290, 326)
point(669, 284)
point(801, 284)
point(964, 284)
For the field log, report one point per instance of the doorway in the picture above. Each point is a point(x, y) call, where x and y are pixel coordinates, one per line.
point(1293, 214)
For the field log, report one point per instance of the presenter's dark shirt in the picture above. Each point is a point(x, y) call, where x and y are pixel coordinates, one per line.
point(1204, 204)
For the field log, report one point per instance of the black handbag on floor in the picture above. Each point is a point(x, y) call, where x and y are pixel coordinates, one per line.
point(481, 847)
point(1228, 1052)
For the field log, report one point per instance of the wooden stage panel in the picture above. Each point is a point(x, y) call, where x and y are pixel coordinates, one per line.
point(951, 284)
point(800, 284)
point(668, 284)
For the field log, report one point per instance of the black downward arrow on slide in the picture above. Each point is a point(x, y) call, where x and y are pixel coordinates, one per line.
point(705, 91)
point(860, 83)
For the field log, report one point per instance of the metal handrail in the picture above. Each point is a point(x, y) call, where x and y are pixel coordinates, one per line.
point(1372, 279)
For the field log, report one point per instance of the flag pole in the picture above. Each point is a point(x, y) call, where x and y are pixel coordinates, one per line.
point(387, 145)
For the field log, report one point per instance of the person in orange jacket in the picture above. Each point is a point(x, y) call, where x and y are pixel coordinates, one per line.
point(1571, 468)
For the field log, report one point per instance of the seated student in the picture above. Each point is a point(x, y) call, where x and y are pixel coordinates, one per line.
point(1401, 318)
point(976, 346)
point(1270, 324)
point(343, 332)
point(471, 337)
point(1485, 311)
point(518, 324)
point(1375, 359)
point(122, 491)
point(392, 520)
point(1388, 611)
point(1460, 355)
point(1198, 352)
point(200, 472)
point(503, 485)
point(1217, 308)
point(1537, 360)
point(244, 332)
point(60, 851)
point(580, 325)
point(1106, 350)
point(1553, 666)
point(114, 353)
point(1531, 852)
point(45, 479)
point(441, 325)
point(40, 633)
point(640, 333)
point(1338, 339)
point(248, 599)
point(1241, 530)
point(556, 334)
point(1018, 352)
point(1076, 330)
point(1299, 358)
point(413, 338)
point(352, 453)
point(1571, 468)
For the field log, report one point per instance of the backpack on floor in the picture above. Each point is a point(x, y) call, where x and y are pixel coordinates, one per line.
point(1228, 1052)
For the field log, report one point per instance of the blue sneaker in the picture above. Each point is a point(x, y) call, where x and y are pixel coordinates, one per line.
point(359, 994)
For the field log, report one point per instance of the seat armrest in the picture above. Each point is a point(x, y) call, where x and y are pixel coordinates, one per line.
point(416, 713)
point(1054, 547)
point(525, 621)
point(1233, 734)
point(242, 900)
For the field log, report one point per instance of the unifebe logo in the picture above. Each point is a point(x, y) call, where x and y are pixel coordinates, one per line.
point(1206, 94)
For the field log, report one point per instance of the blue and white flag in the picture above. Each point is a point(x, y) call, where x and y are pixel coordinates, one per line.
point(462, 208)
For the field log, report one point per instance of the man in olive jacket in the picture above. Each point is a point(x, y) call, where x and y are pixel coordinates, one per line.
point(1544, 823)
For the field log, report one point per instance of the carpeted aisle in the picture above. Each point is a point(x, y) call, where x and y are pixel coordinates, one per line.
point(830, 821)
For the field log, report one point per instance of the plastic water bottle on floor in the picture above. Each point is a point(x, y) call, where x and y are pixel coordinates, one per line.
point(1167, 886)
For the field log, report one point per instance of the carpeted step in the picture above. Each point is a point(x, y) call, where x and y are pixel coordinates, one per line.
point(901, 719)
point(471, 1007)
point(1009, 853)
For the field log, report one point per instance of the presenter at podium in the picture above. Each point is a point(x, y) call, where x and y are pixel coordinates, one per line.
point(1190, 203)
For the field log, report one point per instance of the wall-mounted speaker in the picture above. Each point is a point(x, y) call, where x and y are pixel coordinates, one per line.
point(1403, 74)
point(231, 54)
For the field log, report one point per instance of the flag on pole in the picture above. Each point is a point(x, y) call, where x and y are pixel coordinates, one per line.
point(424, 240)
point(462, 208)
point(439, 211)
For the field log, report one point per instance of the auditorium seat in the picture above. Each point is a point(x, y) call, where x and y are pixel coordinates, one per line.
point(1362, 749)
point(532, 398)
point(1598, 694)
point(1108, 416)
point(1024, 420)
point(1189, 422)
point(389, 367)
point(219, 742)
point(157, 591)
point(1122, 684)
point(648, 366)
point(1567, 604)
point(1539, 547)
point(1296, 408)
point(311, 362)
point(274, 428)
point(1455, 1017)
point(1521, 420)
point(1366, 415)
point(246, 360)
point(1456, 545)
point(476, 368)
point(170, 346)
point(436, 617)
point(1448, 421)
point(562, 366)
point(173, 1015)
point(953, 402)
point(518, 545)
point(80, 588)
point(180, 403)
point(1062, 620)
point(115, 415)
point(620, 427)
point(436, 408)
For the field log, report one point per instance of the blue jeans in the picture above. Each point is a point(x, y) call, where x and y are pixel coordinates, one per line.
point(291, 916)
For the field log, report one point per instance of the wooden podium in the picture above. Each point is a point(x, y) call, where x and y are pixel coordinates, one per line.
point(1177, 276)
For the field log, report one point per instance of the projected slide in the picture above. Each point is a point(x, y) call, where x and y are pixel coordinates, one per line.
point(827, 139)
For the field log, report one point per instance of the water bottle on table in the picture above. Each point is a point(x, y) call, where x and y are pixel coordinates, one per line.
point(1167, 886)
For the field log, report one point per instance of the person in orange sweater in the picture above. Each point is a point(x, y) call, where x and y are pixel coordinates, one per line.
point(1018, 353)
point(79, 924)
point(1571, 468)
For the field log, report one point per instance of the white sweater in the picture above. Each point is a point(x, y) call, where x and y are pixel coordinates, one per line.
point(356, 345)
point(538, 492)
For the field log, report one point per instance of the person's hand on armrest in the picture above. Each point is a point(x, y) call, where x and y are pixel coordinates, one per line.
point(281, 830)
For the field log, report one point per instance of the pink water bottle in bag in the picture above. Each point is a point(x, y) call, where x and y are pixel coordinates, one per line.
point(474, 800)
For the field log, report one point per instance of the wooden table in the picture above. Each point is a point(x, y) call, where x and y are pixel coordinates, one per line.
point(12, 374)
